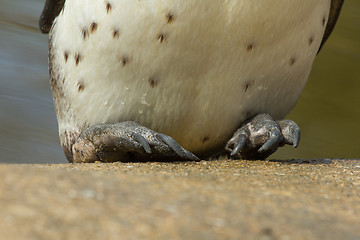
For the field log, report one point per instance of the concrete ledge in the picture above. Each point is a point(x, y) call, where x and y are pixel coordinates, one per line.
point(223, 199)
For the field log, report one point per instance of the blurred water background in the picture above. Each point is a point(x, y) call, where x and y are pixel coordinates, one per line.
point(328, 111)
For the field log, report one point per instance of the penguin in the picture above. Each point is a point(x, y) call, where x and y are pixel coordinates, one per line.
point(180, 80)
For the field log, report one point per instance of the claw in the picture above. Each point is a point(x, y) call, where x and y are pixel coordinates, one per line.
point(291, 132)
point(173, 144)
point(274, 139)
point(181, 152)
point(296, 137)
point(240, 145)
point(143, 142)
point(191, 156)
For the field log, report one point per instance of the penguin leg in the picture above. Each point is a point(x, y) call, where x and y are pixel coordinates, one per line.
point(261, 136)
point(126, 141)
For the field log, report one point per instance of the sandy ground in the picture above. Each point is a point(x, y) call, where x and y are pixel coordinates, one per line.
point(222, 199)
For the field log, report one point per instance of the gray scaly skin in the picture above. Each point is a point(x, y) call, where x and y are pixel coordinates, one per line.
point(256, 138)
point(127, 141)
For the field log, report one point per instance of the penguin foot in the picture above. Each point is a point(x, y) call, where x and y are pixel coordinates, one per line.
point(126, 141)
point(261, 136)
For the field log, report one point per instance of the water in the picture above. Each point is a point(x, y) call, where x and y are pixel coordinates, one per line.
point(328, 111)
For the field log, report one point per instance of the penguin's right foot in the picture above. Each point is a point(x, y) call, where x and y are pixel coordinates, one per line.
point(261, 136)
point(126, 141)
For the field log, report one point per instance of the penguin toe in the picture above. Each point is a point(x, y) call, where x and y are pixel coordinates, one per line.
point(180, 151)
point(291, 132)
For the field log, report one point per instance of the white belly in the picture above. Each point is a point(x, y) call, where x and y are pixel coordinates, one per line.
point(192, 69)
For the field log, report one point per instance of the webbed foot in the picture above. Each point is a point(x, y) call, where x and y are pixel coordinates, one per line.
point(126, 141)
point(261, 136)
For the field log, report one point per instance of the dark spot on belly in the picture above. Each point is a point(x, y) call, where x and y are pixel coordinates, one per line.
point(323, 21)
point(153, 82)
point(63, 81)
point(250, 47)
point(205, 139)
point(124, 60)
point(292, 61)
point(84, 33)
point(311, 40)
point(93, 27)
point(53, 81)
point(246, 87)
point(66, 56)
point(78, 58)
point(108, 7)
point(161, 37)
point(116, 33)
point(80, 86)
point(170, 17)
point(248, 84)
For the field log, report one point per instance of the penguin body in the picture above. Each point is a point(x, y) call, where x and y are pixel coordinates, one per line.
point(193, 70)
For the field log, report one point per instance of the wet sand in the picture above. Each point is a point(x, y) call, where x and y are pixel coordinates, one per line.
point(224, 199)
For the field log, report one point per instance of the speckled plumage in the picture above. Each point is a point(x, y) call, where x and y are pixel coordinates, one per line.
point(194, 70)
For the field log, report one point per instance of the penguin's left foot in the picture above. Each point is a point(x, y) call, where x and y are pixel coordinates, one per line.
point(261, 136)
point(126, 141)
